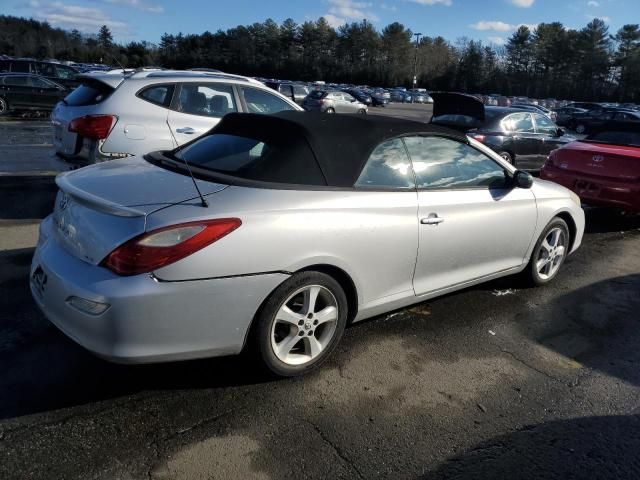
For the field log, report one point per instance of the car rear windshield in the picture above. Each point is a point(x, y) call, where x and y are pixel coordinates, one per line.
point(88, 93)
point(290, 161)
point(615, 138)
point(317, 94)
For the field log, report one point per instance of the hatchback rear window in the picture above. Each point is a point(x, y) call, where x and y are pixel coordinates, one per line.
point(88, 93)
point(290, 161)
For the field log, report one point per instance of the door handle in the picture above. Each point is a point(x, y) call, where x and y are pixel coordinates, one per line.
point(432, 219)
point(186, 130)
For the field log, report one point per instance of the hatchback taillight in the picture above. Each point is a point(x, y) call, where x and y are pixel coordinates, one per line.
point(159, 248)
point(95, 127)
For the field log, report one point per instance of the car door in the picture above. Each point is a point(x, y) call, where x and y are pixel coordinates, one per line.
point(388, 205)
point(198, 107)
point(350, 103)
point(521, 130)
point(472, 222)
point(44, 94)
point(256, 100)
point(18, 91)
point(549, 139)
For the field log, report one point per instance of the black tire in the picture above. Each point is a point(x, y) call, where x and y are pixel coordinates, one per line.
point(581, 129)
point(266, 317)
point(330, 110)
point(362, 111)
point(531, 274)
point(4, 106)
point(507, 156)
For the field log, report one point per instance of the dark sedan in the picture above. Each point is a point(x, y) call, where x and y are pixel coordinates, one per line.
point(28, 92)
point(523, 138)
point(565, 114)
point(594, 119)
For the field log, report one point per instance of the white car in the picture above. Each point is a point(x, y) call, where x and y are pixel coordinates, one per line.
point(120, 115)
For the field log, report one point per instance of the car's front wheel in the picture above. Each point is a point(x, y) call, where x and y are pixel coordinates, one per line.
point(300, 324)
point(507, 156)
point(581, 128)
point(330, 110)
point(549, 253)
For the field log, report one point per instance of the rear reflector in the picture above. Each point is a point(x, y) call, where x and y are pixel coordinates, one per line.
point(96, 127)
point(159, 248)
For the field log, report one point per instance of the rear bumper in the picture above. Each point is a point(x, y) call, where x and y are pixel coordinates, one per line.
point(596, 191)
point(147, 320)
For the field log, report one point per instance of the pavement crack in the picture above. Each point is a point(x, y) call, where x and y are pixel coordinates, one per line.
point(531, 367)
point(335, 448)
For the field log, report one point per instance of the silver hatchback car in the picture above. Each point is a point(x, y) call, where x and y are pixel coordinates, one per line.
point(292, 226)
point(111, 115)
point(333, 101)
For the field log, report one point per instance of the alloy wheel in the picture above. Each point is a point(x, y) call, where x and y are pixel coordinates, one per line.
point(304, 325)
point(4, 108)
point(551, 253)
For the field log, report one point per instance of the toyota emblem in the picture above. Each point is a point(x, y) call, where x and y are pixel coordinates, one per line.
point(63, 202)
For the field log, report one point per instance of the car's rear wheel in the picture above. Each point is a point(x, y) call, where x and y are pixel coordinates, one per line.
point(4, 106)
point(330, 110)
point(581, 128)
point(300, 324)
point(362, 111)
point(549, 253)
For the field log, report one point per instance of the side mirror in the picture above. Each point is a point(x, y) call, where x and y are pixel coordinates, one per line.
point(522, 179)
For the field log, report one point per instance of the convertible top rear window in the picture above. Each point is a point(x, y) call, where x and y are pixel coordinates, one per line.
point(290, 162)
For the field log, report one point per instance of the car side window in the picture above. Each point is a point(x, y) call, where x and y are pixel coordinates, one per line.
point(46, 69)
point(206, 99)
point(260, 101)
point(159, 95)
point(388, 167)
point(17, 80)
point(443, 163)
point(348, 97)
point(299, 90)
point(519, 122)
point(39, 82)
point(544, 125)
point(20, 67)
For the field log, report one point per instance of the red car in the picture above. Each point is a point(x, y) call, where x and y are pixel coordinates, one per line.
point(603, 169)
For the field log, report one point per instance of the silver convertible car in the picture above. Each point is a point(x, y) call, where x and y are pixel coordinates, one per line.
point(273, 232)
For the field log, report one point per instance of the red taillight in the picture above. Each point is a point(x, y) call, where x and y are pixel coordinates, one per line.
point(479, 138)
point(96, 127)
point(167, 245)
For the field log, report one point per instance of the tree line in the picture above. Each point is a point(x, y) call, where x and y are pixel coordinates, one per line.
point(549, 61)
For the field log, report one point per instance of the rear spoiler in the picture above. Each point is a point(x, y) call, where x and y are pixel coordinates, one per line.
point(112, 80)
point(94, 202)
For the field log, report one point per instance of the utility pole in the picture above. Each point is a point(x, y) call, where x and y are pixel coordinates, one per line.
point(415, 63)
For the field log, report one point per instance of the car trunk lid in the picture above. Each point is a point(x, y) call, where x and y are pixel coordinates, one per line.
point(102, 206)
point(609, 161)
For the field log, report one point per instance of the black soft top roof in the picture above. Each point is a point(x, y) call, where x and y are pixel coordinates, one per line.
point(341, 144)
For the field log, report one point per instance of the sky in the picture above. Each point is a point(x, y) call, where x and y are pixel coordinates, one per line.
point(491, 21)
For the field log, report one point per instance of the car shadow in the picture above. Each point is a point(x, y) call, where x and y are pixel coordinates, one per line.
point(593, 447)
point(607, 220)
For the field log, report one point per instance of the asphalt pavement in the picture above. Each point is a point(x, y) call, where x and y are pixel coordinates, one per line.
point(497, 381)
